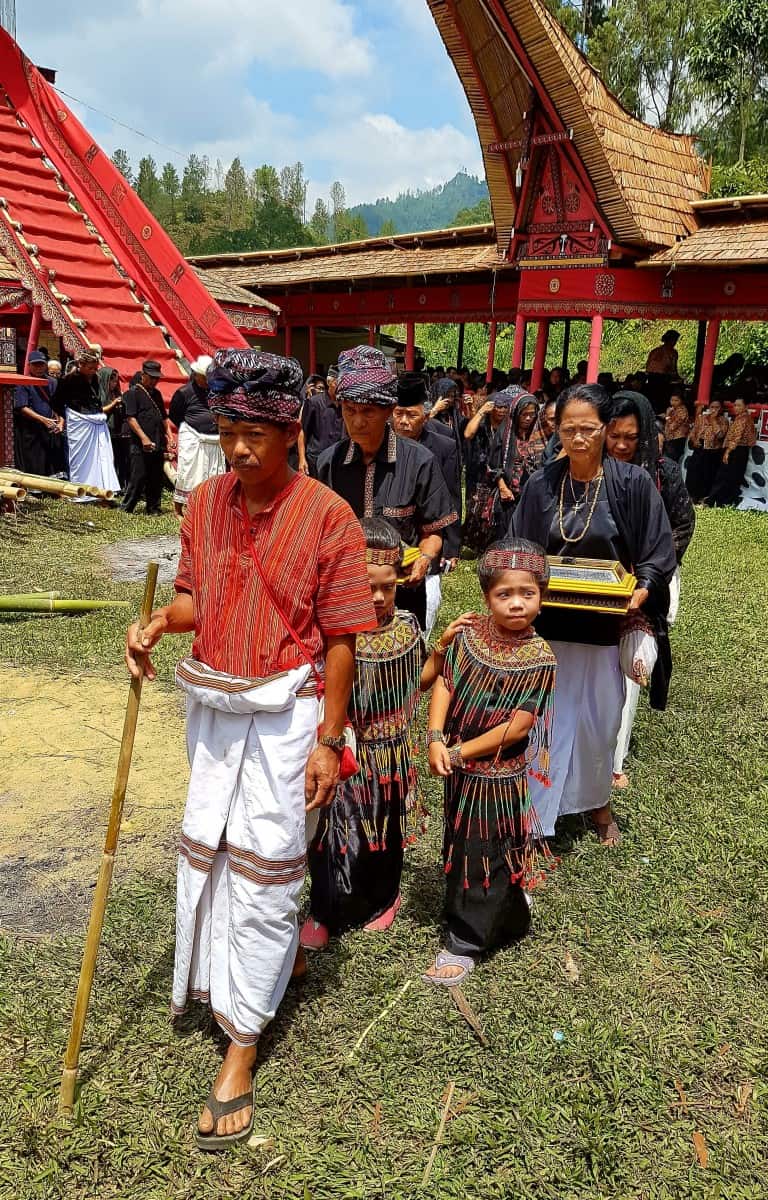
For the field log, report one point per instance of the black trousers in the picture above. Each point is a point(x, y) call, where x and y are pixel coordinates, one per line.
point(121, 452)
point(146, 479)
point(726, 490)
point(414, 600)
point(701, 472)
point(32, 446)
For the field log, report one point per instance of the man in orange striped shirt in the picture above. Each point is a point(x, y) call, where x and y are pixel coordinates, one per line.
point(272, 579)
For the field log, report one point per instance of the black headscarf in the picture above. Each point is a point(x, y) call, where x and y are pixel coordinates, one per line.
point(635, 404)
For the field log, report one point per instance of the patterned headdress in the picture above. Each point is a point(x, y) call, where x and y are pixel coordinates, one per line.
point(252, 385)
point(384, 558)
point(513, 394)
point(365, 377)
point(514, 556)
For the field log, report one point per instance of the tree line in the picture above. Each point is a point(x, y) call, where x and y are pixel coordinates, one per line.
point(697, 66)
point(209, 209)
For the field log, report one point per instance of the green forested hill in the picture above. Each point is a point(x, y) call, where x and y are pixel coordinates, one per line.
point(432, 209)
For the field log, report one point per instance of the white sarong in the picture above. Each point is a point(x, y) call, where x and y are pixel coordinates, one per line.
point(242, 851)
point(90, 450)
point(434, 597)
point(199, 457)
point(589, 694)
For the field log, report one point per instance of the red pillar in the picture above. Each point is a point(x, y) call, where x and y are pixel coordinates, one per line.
point(312, 350)
point(34, 333)
point(518, 346)
point(595, 343)
point(288, 341)
point(708, 362)
point(410, 346)
point(540, 356)
point(491, 352)
point(371, 335)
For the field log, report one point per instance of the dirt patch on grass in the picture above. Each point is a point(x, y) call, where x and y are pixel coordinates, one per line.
point(127, 560)
point(59, 742)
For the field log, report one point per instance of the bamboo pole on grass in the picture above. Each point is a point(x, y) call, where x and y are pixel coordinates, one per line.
point(41, 483)
point(9, 492)
point(93, 937)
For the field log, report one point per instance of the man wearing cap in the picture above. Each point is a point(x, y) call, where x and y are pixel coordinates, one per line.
point(382, 475)
point(410, 420)
point(199, 451)
point(145, 415)
point(273, 581)
point(89, 445)
point(321, 420)
point(36, 427)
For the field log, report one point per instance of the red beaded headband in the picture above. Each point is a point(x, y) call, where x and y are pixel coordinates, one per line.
point(383, 558)
point(514, 560)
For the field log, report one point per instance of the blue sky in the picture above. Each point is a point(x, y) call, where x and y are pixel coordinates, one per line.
point(358, 90)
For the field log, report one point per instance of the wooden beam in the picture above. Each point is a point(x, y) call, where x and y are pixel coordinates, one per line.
point(540, 354)
point(518, 345)
point(708, 363)
point(595, 345)
point(491, 352)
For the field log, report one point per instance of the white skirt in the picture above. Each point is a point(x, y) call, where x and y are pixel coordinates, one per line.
point(91, 460)
point(589, 695)
point(199, 457)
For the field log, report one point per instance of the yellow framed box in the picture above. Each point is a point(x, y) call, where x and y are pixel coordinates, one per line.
point(593, 584)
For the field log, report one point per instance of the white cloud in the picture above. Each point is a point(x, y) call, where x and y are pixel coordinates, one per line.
point(375, 155)
point(187, 72)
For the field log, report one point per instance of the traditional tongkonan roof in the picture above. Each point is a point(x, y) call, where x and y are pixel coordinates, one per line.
point(513, 57)
point(83, 246)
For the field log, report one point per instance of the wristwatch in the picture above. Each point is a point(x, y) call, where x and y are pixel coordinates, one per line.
point(333, 743)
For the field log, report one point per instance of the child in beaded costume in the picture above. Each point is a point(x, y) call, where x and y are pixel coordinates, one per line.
point(489, 723)
point(356, 856)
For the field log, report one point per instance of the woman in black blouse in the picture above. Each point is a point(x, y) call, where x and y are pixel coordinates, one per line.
point(586, 505)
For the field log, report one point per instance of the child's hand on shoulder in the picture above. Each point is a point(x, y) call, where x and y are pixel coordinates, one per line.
point(439, 762)
point(450, 633)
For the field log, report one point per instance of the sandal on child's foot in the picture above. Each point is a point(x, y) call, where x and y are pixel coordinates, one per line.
point(461, 963)
point(313, 935)
point(384, 922)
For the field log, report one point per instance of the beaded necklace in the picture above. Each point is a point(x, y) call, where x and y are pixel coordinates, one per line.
point(598, 483)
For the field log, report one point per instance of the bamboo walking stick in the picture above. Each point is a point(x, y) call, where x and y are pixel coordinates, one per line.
point(93, 937)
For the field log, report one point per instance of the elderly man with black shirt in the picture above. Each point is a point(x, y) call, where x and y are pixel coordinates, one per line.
point(410, 420)
point(382, 475)
point(145, 414)
point(37, 428)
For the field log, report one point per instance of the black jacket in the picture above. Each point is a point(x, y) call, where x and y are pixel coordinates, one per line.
point(644, 528)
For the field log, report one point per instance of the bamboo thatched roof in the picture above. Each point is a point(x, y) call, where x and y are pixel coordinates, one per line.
point(227, 292)
point(644, 179)
point(458, 251)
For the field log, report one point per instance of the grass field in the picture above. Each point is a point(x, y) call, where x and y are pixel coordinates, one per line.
point(650, 961)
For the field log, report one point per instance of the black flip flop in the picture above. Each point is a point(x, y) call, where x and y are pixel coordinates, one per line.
point(223, 1108)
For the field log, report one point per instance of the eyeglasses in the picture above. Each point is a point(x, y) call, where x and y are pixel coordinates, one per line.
point(587, 432)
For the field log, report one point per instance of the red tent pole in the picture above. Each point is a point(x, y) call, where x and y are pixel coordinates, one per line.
point(708, 362)
point(540, 355)
point(595, 344)
point(371, 335)
point(288, 341)
point(410, 345)
point(491, 352)
point(312, 350)
point(518, 346)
